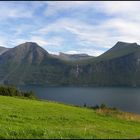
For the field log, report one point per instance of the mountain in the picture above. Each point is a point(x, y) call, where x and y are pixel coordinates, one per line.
point(28, 52)
point(119, 66)
point(3, 49)
point(29, 63)
point(120, 49)
point(72, 57)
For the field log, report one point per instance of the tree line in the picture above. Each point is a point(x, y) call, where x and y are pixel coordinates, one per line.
point(13, 91)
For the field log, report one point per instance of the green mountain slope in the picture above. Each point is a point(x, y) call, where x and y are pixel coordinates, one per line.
point(28, 63)
point(119, 66)
point(120, 49)
point(22, 118)
point(121, 71)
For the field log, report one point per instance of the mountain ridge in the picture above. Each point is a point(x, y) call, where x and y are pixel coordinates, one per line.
point(29, 63)
point(120, 49)
point(72, 57)
point(3, 49)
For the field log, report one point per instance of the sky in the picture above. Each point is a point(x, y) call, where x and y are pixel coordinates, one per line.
point(90, 27)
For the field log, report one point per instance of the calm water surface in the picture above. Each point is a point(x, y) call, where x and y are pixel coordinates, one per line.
point(127, 99)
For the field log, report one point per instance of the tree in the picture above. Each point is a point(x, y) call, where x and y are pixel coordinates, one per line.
point(103, 106)
point(85, 104)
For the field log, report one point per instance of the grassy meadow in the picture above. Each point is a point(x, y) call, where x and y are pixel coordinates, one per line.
point(26, 118)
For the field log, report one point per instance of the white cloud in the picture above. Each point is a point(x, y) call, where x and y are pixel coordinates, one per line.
point(72, 52)
point(41, 41)
point(17, 41)
point(124, 9)
point(8, 11)
point(119, 21)
point(21, 9)
point(45, 43)
point(58, 6)
point(52, 52)
point(92, 52)
point(53, 41)
point(102, 35)
point(85, 34)
point(3, 41)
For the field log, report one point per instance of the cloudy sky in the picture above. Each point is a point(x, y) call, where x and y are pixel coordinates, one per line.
point(70, 26)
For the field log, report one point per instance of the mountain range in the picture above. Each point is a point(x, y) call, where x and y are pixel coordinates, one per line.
point(71, 57)
point(30, 64)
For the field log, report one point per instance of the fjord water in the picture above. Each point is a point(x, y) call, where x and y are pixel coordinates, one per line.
point(124, 98)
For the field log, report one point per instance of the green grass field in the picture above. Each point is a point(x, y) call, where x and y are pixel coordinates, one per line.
point(25, 118)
